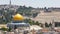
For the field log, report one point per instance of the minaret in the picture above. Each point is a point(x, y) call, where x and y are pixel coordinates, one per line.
point(9, 3)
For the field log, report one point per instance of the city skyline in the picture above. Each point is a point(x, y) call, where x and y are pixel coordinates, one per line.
point(33, 3)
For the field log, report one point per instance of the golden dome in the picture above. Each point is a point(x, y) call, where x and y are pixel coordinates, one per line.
point(18, 17)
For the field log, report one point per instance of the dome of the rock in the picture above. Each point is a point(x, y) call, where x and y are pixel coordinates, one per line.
point(18, 17)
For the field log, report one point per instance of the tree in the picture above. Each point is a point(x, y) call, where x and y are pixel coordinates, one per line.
point(9, 29)
point(31, 22)
point(37, 23)
point(50, 25)
point(24, 10)
point(35, 14)
point(4, 29)
point(46, 25)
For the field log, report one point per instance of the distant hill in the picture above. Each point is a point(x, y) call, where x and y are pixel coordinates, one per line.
point(7, 11)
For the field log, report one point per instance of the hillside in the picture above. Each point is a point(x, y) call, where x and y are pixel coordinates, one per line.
point(7, 12)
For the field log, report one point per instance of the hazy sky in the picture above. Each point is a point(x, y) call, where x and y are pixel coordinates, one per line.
point(34, 3)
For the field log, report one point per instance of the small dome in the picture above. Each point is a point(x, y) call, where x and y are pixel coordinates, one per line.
point(18, 17)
